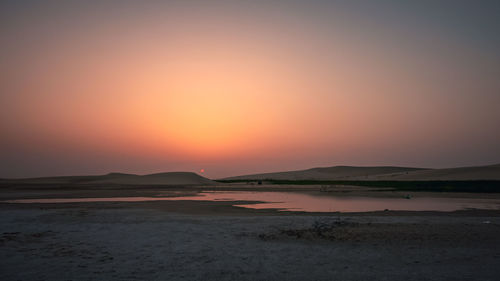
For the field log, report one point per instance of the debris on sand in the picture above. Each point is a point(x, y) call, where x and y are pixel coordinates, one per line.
point(333, 230)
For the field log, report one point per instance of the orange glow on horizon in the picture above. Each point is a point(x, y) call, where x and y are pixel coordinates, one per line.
point(258, 86)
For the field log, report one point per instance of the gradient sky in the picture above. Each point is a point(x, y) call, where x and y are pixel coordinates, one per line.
point(235, 87)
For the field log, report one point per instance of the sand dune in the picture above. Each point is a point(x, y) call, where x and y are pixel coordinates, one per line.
point(330, 173)
point(171, 178)
point(491, 172)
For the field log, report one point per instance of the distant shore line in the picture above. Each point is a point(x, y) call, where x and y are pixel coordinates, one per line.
point(482, 186)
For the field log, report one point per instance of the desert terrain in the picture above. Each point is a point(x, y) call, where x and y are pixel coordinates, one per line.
point(217, 240)
point(490, 172)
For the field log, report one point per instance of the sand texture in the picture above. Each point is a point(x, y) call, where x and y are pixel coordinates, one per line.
point(146, 244)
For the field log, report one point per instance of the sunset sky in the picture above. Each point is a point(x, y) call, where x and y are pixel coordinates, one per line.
point(235, 87)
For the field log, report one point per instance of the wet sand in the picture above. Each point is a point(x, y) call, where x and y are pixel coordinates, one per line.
point(197, 240)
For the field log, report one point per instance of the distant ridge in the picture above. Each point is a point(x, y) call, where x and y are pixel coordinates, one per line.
point(386, 173)
point(170, 178)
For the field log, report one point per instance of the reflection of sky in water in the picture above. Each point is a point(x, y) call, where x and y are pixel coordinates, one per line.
point(305, 202)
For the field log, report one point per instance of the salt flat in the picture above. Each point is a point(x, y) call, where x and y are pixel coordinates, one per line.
point(147, 241)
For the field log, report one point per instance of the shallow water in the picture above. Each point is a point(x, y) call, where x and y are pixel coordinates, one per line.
point(306, 202)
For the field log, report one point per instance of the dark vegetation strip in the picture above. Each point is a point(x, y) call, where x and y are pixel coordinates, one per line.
point(483, 186)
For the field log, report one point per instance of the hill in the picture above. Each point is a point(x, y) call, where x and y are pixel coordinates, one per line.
point(380, 173)
point(170, 178)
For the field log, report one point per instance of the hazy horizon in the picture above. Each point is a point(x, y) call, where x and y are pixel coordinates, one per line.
point(237, 87)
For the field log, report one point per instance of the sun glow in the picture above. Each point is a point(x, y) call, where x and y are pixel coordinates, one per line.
point(179, 84)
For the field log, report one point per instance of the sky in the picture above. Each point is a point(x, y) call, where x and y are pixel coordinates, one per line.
point(238, 87)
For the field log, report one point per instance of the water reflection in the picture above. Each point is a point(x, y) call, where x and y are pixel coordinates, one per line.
point(307, 202)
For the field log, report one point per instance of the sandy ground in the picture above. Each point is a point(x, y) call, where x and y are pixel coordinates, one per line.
point(171, 240)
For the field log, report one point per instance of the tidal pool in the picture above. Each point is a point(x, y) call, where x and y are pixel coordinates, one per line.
point(305, 202)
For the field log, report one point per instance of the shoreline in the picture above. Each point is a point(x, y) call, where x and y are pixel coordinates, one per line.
point(214, 240)
point(224, 207)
